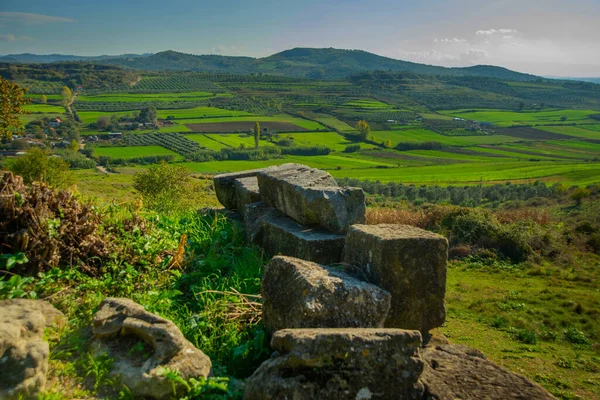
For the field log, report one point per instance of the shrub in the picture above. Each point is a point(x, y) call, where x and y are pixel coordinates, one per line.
point(38, 165)
point(575, 336)
point(352, 148)
point(164, 187)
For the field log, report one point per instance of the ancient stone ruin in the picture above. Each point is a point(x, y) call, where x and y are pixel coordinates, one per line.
point(351, 306)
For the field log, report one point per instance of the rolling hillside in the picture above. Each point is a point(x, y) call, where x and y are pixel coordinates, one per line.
point(299, 62)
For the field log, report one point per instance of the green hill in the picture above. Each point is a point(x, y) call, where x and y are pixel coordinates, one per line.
point(307, 63)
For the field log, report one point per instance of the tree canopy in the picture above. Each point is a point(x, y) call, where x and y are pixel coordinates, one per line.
point(12, 101)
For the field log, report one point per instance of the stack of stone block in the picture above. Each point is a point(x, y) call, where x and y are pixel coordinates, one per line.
point(301, 212)
point(348, 304)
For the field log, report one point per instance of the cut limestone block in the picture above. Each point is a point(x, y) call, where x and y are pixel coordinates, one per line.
point(312, 197)
point(408, 262)
point(227, 187)
point(302, 294)
point(340, 364)
point(278, 234)
point(246, 190)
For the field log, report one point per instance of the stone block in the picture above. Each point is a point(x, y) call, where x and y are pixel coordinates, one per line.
point(312, 197)
point(227, 187)
point(279, 234)
point(340, 364)
point(302, 294)
point(408, 262)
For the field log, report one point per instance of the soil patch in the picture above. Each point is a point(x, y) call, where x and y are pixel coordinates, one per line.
point(532, 133)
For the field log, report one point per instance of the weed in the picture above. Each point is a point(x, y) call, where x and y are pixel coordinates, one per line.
point(575, 336)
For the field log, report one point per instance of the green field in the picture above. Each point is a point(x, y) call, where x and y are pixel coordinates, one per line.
point(303, 123)
point(201, 112)
point(332, 140)
point(510, 118)
point(424, 135)
point(148, 97)
point(367, 104)
point(44, 108)
point(128, 152)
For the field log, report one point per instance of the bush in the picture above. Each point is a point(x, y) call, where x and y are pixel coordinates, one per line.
point(164, 187)
point(38, 165)
point(352, 148)
point(575, 336)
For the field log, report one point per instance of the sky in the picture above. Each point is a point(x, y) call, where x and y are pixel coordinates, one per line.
point(542, 37)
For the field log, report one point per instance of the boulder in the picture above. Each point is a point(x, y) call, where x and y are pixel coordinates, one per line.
point(23, 351)
point(302, 294)
point(143, 346)
point(340, 364)
point(278, 234)
point(459, 372)
point(408, 262)
point(312, 197)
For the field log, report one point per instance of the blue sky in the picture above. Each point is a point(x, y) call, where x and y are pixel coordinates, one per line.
point(547, 37)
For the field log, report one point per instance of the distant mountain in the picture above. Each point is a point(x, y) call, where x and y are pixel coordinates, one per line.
point(175, 61)
point(307, 63)
point(27, 58)
point(299, 62)
point(571, 78)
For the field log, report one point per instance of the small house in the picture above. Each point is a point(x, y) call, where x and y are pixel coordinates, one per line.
point(55, 123)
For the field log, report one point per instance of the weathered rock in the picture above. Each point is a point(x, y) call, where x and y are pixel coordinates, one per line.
point(247, 192)
point(312, 197)
point(340, 364)
point(120, 324)
point(23, 352)
point(227, 187)
point(302, 294)
point(408, 262)
point(279, 234)
point(459, 372)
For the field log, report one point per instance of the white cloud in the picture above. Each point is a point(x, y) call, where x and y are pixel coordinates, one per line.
point(451, 40)
point(229, 50)
point(12, 38)
point(490, 32)
point(31, 18)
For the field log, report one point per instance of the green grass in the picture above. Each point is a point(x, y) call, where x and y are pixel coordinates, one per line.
point(128, 152)
point(489, 310)
point(145, 97)
point(332, 140)
point(235, 140)
point(490, 172)
point(205, 141)
point(87, 117)
point(508, 118)
point(201, 112)
point(333, 122)
point(423, 135)
point(303, 123)
point(329, 162)
point(367, 104)
point(44, 108)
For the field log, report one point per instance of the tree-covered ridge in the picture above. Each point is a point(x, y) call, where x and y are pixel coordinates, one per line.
point(72, 74)
point(305, 62)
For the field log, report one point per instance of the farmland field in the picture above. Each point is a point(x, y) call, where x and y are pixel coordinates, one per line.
point(242, 126)
point(509, 118)
point(133, 152)
point(200, 112)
